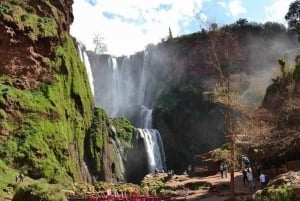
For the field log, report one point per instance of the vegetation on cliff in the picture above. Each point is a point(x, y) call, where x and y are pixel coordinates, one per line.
point(46, 105)
point(46, 125)
point(27, 19)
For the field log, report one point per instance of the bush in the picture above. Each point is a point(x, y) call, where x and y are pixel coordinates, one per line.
point(281, 193)
point(39, 190)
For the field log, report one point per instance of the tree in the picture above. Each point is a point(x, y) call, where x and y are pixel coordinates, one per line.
point(242, 22)
point(223, 50)
point(100, 46)
point(293, 16)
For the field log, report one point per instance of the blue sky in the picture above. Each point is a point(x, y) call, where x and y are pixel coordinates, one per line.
point(128, 26)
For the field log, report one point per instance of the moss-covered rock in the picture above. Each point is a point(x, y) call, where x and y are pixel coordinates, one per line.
point(46, 104)
point(106, 145)
point(47, 126)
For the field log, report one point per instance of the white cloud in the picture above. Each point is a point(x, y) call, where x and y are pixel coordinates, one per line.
point(277, 10)
point(203, 17)
point(235, 8)
point(133, 23)
point(222, 4)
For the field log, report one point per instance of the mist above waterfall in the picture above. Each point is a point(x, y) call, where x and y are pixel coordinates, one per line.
point(263, 66)
point(254, 71)
point(126, 85)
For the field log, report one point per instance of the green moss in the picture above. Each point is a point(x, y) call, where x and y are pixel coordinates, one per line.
point(94, 141)
point(124, 130)
point(7, 181)
point(48, 126)
point(2, 114)
point(27, 20)
point(25, 100)
point(169, 99)
point(296, 74)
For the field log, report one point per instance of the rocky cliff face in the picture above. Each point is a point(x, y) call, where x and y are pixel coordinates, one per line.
point(30, 32)
point(46, 104)
point(280, 111)
point(190, 124)
point(48, 125)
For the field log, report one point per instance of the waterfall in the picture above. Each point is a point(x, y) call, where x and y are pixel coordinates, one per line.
point(86, 173)
point(127, 87)
point(152, 141)
point(116, 86)
point(84, 58)
point(145, 120)
point(118, 150)
point(154, 148)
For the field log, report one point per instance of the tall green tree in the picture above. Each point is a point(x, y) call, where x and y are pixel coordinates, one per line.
point(293, 16)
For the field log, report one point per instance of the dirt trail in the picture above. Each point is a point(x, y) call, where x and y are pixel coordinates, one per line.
point(219, 190)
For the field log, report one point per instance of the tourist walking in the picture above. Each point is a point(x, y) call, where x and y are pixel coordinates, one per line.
point(250, 179)
point(20, 178)
point(245, 180)
point(225, 170)
point(190, 170)
point(263, 179)
point(221, 170)
point(245, 162)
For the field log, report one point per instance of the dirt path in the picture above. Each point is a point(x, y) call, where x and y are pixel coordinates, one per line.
point(219, 190)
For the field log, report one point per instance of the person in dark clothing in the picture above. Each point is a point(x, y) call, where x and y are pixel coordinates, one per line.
point(20, 178)
point(222, 170)
point(245, 179)
point(189, 170)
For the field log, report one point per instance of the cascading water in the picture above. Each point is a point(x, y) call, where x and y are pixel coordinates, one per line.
point(126, 87)
point(84, 58)
point(152, 141)
point(115, 103)
point(118, 150)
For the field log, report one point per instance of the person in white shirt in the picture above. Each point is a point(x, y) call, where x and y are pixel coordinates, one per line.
point(262, 179)
point(250, 179)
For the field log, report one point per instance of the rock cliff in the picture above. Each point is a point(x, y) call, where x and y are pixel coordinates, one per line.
point(49, 127)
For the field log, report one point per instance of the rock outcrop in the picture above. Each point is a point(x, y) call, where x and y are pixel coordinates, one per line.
point(48, 121)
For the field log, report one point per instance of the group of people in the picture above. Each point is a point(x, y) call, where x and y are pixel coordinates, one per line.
point(248, 178)
point(20, 178)
point(224, 170)
point(248, 175)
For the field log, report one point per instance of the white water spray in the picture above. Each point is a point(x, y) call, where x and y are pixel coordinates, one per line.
point(84, 58)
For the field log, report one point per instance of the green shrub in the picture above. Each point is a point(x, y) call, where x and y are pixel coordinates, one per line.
point(280, 193)
point(296, 74)
point(169, 99)
point(40, 190)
